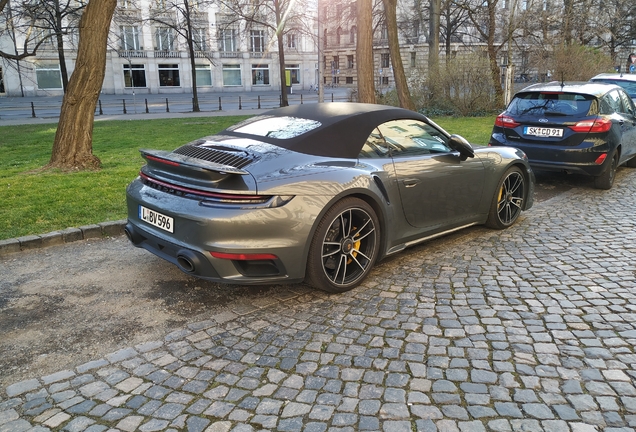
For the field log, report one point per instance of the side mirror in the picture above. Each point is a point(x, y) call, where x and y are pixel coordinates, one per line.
point(459, 143)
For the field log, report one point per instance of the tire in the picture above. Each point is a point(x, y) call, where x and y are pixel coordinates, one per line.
point(606, 179)
point(508, 199)
point(344, 247)
point(631, 163)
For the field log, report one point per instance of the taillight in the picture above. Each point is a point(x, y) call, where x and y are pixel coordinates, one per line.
point(599, 160)
point(597, 125)
point(506, 121)
point(244, 257)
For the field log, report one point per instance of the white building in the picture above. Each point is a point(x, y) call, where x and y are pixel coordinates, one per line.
point(147, 57)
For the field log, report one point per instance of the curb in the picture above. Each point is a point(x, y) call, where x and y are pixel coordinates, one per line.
point(104, 229)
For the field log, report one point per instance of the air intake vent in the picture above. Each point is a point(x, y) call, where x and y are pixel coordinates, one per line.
point(222, 157)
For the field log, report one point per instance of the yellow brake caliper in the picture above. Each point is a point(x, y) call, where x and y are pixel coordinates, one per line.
point(356, 247)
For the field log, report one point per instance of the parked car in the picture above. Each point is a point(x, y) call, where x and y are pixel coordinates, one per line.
point(627, 81)
point(587, 128)
point(318, 192)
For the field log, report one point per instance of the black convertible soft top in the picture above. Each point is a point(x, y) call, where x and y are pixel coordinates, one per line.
point(344, 127)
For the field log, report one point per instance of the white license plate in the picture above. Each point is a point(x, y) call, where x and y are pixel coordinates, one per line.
point(157, 219)
point(543, 132)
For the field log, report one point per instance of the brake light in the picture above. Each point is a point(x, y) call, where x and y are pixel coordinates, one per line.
point(599, 160)
point(506, 121)
point(243, 257)
point(597, 125)
point(163, 161)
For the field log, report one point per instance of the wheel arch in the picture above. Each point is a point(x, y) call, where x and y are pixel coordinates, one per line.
point(377, 203)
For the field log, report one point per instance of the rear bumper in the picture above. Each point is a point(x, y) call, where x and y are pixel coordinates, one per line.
point(580, 159)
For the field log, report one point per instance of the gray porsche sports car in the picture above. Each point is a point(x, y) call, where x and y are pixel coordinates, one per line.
point(319, 193)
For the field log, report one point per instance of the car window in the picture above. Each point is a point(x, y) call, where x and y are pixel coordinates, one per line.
point(413, 137)
point(627, 103)
point(276, 127)
point(613, 98)
point(374, 147)
point(551, 103)
point(629, 86)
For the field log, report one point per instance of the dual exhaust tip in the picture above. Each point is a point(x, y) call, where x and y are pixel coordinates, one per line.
point(187, 260)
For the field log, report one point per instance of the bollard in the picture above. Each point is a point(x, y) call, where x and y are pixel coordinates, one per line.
point(124, 101)
point(32, 110)
point(168, 108)
point(240, 106)
point(220, 107)
point(146, 106)
point(301, 98)
point(280, 100)
point(331, 97)
point(259, 101)
point(101, 111)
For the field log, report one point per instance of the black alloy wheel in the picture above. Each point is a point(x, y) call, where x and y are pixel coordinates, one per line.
point(344, 247)
point(508, 200)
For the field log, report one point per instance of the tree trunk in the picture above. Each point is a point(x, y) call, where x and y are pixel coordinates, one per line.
point(60, 46)
point(195, 94)
point(73, 146)
point(364, 52)
point(401, 85)
point(281, 56)
point(492, 53)
point(433, 49)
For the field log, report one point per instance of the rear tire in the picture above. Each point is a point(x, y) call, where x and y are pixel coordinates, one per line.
point(606, 179)
point(508, 200)
point(345, 246)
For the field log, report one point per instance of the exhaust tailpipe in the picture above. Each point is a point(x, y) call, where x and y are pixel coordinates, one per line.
point(188, 261)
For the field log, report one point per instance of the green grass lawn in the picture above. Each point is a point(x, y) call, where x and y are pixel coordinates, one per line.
point(36, 202)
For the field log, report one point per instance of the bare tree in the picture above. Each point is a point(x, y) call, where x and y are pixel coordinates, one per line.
point(73, 145)
point(55, 19)
point(184, 23)
point(14, 20)
point(401, 85)
point(279, 16)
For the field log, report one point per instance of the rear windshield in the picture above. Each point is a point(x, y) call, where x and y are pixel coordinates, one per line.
point(629, 86)
point(276, 127)
point(553, 104)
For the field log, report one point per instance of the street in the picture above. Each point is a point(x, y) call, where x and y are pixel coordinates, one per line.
point(528, 329)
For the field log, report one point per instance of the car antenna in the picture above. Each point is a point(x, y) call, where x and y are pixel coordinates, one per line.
point(562, 80)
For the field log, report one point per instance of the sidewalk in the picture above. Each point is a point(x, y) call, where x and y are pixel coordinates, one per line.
point(38, 110)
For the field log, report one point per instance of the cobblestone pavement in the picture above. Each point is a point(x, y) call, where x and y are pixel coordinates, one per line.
point(528, 329)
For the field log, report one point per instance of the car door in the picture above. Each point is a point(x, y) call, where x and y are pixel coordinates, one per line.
point(437, 189)
point(627, 111)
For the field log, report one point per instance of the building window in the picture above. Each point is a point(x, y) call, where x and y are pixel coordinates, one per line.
point(49, 76)
point(199, 39)
point(336, 63)
point(292, 40)
point(294, 71)
point(231, 75)
point(338, 34)
point(413, 61)
point(134, 75)
point(349, 80)
point(384, 60)
point(350, 62)
point(129, 38)
point(169, 75)
point(335, 80)
point(260, 74)
point(324, 38)
point(164, 39)
point(385, 80)
point(204, 75)
point(257, 41)
point(384, 32)
point(228, 40)
point(352, 34)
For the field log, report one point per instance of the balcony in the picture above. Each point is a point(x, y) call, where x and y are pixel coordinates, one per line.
point(132, 53)
point(230, 54)
point(203, 54)
point(260, 55)
point(129, 14)
point(167, 54)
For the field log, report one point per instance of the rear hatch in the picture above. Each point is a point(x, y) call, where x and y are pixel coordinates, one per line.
point(549, 118)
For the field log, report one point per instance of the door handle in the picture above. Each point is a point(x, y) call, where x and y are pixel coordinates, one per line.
point(410, 182)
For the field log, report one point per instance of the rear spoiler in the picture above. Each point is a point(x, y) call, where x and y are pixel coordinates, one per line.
point(173, 159)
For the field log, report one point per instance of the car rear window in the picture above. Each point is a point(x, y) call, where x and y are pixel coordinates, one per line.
point(552, 103)
point(276, 127)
